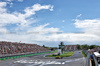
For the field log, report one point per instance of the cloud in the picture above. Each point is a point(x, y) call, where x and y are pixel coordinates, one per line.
point(10, 3)
point(78, 15)
point(2, 5)
point(46, 34)
point(14, 0)
point(31, 10)
point(23, 20)
point(20, 0)
point(9, 0)
point(91, 27)
point(43, 29)
point(44, 37)
point(3, 29)
point(72, 38)
point(51, 8)
point(88, 24)
point(63, 21)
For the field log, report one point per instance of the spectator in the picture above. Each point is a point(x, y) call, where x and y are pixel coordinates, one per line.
point(15, 48)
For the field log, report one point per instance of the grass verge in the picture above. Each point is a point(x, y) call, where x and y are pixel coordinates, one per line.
point(83, 54)
point(67, 54)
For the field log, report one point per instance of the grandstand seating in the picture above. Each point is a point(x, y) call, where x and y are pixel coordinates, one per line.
point(70, 47)
point(7, 48)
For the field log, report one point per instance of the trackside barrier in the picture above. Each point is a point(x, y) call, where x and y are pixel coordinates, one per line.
point(87, 60)
point(21, 55)
point(95, 61)
point(87, 63)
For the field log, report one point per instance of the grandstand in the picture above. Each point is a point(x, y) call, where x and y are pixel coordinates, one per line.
point(10, 48)
point(70, 47)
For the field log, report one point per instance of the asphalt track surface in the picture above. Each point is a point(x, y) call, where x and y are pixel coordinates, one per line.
point(40, 60)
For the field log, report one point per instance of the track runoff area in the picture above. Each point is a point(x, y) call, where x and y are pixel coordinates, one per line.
point(76, 59)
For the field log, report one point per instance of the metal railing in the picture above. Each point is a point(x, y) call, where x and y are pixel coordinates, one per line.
point(87, 63)
point(95, 61)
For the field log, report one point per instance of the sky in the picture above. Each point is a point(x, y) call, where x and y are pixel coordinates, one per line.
point(49, 22)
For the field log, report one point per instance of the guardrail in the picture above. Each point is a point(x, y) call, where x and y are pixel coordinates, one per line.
point(95, 61)
point(21, 55)
point(87, 63)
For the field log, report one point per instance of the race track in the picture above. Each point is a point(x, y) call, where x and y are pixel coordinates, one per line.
point(39, 60)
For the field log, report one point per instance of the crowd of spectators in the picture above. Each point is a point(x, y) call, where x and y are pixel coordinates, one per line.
point(97, 49)
point(7, 48)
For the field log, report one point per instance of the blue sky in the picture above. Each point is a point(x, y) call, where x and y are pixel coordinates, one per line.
point(50, 21)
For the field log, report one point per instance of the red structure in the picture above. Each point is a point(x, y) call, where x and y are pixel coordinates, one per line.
point(18, 48)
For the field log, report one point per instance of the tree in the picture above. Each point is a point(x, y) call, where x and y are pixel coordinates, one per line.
point(52, 49)
point(92, 46)
point(47, 47)
point(44, 46)
point(85, 46)
point(61, 43)
point(78, 47)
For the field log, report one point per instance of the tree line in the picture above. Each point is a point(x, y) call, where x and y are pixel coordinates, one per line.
point(86, 46)
point(50, 48)
point(79, 47)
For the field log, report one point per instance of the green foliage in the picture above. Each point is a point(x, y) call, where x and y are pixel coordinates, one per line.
point(78, 47)
point(68, 54)
point(93, 46)
point(53, 48)
point(47, 47)
point(44, 46)
point(50, 48)
point(86, 47)
point(84, 54)
point(61, 43)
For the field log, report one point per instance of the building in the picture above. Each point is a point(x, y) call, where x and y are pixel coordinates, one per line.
point(70, 47)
